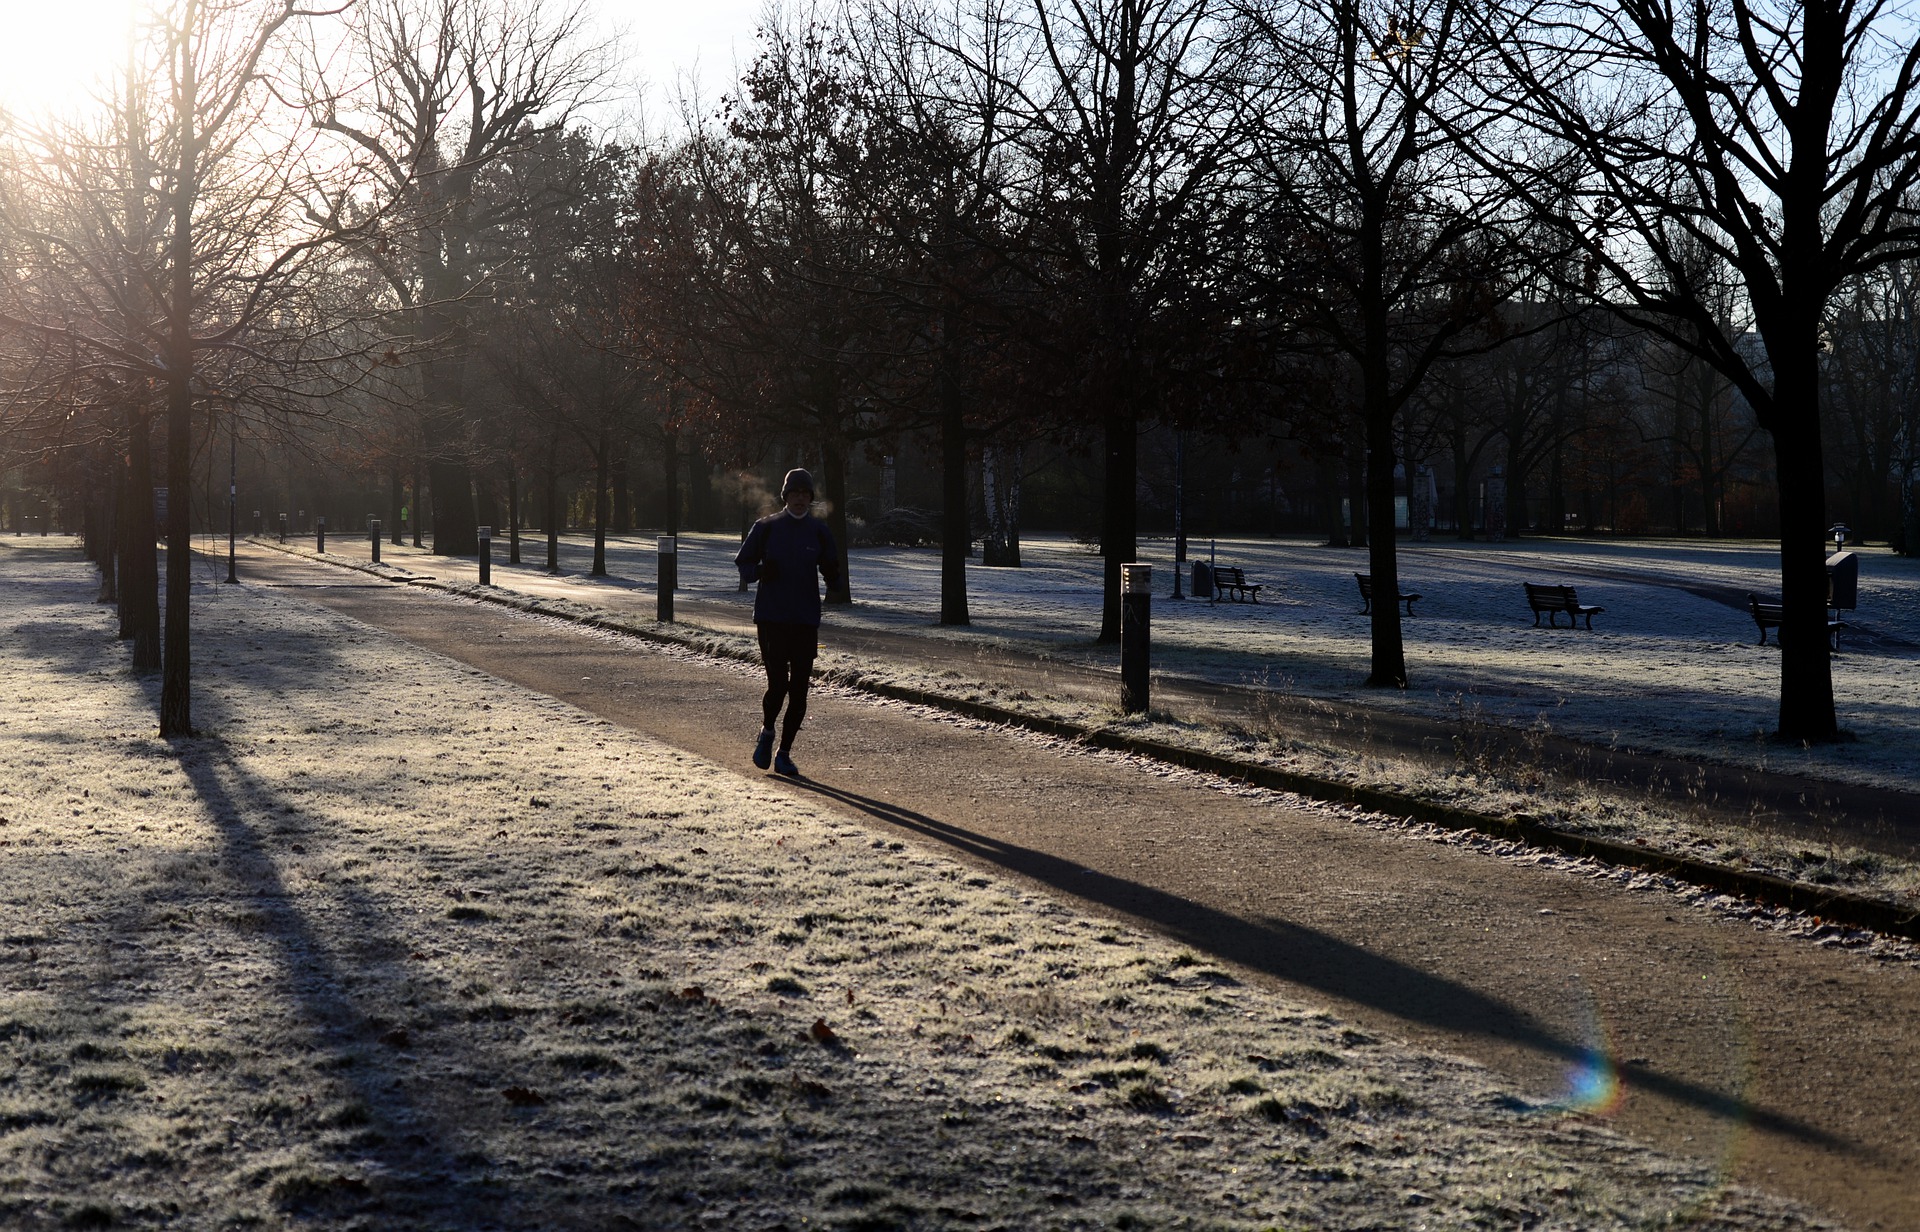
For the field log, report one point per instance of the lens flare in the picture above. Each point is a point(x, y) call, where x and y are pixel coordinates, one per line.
point(1593, 1085)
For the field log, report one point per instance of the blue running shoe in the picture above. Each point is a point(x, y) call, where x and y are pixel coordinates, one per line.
point(782, 764)
point(763, 749)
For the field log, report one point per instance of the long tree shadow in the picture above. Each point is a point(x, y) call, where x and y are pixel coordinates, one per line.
point(1314, 959)
point(416, 1146)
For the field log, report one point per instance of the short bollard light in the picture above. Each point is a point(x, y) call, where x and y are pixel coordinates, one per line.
point(283, 528)
point(373, 537)
point(1136, 610)
point(669, 578)
point(259, 527)
point(320, 534)
point(486, 555)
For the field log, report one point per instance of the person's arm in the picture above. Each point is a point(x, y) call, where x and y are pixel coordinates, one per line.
point(752, 553)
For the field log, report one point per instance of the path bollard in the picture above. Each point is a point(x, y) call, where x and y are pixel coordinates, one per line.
point(373, 537)
point(320, 534)
point(486, 555)
point(259, 527)
point(283, 528)
point(669, 578)
point(1136, 609)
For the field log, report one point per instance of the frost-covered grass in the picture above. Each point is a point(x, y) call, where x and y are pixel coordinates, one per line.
point(394, 944)
point(1468, 646)
point(1663, 668)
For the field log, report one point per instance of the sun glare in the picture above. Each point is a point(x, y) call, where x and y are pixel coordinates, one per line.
point(57, 53)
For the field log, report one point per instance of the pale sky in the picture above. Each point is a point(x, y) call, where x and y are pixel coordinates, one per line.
point(53, 50)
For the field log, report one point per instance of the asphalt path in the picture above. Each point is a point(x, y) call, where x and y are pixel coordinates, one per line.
point(1790, 1066)
point(1816, 812)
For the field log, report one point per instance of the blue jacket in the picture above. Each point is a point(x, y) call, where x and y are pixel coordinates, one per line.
point(783, 553)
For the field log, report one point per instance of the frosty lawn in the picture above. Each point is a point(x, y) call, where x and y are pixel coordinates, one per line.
point(1668, 670)
point(1664, 668)
point(395, 944)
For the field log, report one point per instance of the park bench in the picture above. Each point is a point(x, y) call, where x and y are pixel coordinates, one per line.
point(1231, 578)
point(1554, 600)
point(1366, 594)
point(1767, 614)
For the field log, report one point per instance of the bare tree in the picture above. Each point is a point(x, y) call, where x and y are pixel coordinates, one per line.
point(1127, 114)
point(1407, 245)
point(433, 92)
point(178, 256)
point(1782, 136)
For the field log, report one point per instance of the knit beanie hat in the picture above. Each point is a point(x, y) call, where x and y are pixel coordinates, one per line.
point(797, 479)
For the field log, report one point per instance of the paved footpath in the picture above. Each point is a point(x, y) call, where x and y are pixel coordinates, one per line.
point(1814, 811)
point(1793, 1066)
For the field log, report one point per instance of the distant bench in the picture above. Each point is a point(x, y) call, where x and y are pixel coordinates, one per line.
point(1554, 600)
point(1366, 594)
point(1232, 578)
point(1767, 615)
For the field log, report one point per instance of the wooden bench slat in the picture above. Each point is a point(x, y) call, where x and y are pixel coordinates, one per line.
point(1555, 599)
point(1770, 614)
point(1233, 578)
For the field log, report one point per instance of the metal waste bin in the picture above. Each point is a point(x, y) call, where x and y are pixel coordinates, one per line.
point(1202, 580)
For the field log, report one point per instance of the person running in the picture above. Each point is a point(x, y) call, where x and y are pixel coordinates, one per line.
point(783, 553)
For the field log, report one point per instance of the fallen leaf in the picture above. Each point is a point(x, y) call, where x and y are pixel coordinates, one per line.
point(524, 1097)
point(823, 1033)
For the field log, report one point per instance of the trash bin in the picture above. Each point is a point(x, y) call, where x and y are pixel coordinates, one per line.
point(1202, 580)
point(1843, 581)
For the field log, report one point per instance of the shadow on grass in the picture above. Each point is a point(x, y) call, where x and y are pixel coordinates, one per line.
point(1317, 960)
point(341, 1031)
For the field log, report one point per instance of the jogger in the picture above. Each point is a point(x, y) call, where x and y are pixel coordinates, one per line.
point(786, 553)
point(787, 651)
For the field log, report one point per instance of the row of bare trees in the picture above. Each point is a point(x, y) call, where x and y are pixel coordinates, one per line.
point(1374, 227)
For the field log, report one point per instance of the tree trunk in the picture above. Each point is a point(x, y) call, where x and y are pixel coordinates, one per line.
point(1000, 467)
point(670, 465)
point(1806, 667)
point(1557, 490)
point(513, 515)
point(553, 504)
point(1910, 509)
point(602, 464)
point(176, 662)
point(139, 570)
point(956, 531)
point(456, 531)
point(833, 484)
point(622, 493)
point(1326, 489)
point(1462, 479)
point(419, 503)
point(109, 536)
point(1389, 664)
point(1356, 459)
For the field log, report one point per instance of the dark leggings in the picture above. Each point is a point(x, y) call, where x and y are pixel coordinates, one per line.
point(787, 651)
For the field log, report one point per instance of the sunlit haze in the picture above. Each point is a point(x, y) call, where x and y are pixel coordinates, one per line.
point(55, 53)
